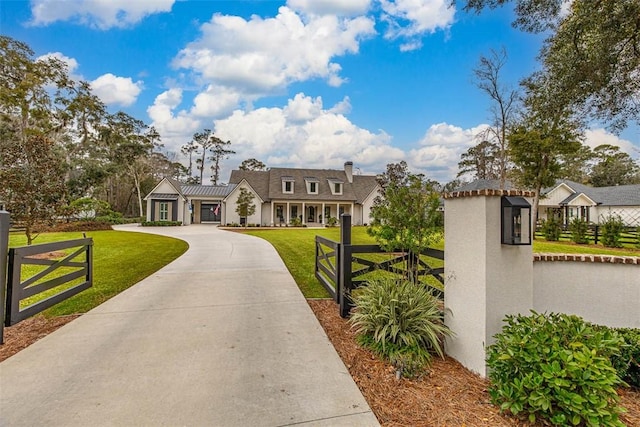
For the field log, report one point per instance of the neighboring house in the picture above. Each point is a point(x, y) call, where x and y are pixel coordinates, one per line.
point(171, 200)
point(280, 194)
point(568, 200)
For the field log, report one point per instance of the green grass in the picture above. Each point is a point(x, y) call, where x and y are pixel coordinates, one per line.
point(120, 258)
point(297, 249)
point(542, 246)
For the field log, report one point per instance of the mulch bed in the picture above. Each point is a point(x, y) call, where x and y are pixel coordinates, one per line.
point(450, 395)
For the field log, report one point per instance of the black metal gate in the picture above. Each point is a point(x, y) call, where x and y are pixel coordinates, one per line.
point(340, 270)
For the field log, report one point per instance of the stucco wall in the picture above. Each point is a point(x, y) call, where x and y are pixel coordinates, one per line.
point(601, 289)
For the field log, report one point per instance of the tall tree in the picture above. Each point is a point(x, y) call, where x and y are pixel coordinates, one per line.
point(32, 176)
point(488, 75)
point(219, 151)
point(204, 140)
point(613, 167)
point(544, 134)
point(252, 165)
point(481, 161)
point(576, 165)
point(129, 141)
point(244, 205)
point(592, 53)
point(190, 150)
point(405, 216)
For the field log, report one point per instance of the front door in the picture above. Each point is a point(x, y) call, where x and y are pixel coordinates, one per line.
point(210, 212)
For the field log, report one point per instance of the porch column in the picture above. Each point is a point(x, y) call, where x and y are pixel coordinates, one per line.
point(323, 215)
point(288, 214)
point(273, 206)
point(304, 213)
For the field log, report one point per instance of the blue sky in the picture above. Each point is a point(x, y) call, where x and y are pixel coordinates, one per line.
point(295, 83)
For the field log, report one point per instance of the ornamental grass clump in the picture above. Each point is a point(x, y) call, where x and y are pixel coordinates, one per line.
point(401, 321)
point(557, 368)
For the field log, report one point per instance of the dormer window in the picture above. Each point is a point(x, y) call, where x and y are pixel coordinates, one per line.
point(336, 186)
point(312, 185)
point(287, 184)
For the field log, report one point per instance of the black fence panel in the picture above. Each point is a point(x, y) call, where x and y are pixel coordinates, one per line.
point(48, 277)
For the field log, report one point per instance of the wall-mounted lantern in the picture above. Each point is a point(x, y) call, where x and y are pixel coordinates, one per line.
point(516, 221)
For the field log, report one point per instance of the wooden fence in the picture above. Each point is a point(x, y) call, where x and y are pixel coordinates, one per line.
point(629, 236)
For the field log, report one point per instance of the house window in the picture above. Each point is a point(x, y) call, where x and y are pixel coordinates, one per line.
point(336, 186)
point(164, 211)
point(294, 212)
point(312, 185)
point(287, 185)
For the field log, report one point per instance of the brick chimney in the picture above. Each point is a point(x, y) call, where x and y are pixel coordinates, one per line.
point(348, 170)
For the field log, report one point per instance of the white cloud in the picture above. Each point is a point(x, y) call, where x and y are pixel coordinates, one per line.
point(331, 7)
point(304, 134)
point(263, 55)
point(101, 14)
point(595, 137)
point(114, 90)
point(215, 102)
point(410, 20)
point(175, 129)
point(440, 150)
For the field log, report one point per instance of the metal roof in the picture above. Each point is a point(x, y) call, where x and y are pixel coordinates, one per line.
point(164, 196)
point(197, 190)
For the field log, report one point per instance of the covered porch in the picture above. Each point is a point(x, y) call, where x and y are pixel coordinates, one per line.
point(307, 213)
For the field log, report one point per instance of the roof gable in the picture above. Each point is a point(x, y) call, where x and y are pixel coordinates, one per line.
point(165, 187)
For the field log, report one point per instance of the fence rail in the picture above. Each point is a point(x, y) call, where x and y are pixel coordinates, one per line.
point(340, 266)
point(629, 235)
point(18, 290)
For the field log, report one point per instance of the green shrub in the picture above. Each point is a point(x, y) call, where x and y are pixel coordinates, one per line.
point(551, 228)
point(160, 223)
point(612, 228)
point(555, 367)
point(627, 361)
point(295, 222)
point(400, 321)
point(332, 221)
point(579, 229)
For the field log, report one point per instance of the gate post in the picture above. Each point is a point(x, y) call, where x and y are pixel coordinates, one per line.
point(485, 279)
point(4, 245)
point(345, 266)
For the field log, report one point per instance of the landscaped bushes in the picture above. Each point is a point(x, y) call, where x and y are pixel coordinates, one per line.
point(551, 228)
point(89, 225)
point(612, 228)
point(161, 223)
point(555, 367)
point(400, 321)
point(579, 229)
point(627, 361)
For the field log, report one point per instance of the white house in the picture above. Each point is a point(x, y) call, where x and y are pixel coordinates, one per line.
point(281, 196)
point(568, 200)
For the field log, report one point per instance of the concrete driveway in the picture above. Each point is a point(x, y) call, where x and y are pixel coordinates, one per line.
point(220, 337)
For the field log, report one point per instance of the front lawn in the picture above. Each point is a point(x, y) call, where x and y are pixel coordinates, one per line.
point(121, 259)
point(296, 247)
